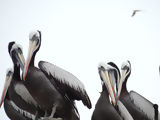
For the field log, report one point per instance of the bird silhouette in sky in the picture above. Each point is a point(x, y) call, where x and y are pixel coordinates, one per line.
point(134, 12)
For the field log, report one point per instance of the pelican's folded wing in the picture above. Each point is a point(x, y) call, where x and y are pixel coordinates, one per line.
point(143, 104)
point(66, 82)
point(15, 113)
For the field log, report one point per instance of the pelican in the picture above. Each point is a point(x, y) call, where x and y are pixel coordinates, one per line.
point(66, 83)
point(12, 111)
point(45, 88)
point(104, 109)
point(15, 87)
point(139, 107)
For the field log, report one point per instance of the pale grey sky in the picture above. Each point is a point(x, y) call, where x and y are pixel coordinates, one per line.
point(77, 35)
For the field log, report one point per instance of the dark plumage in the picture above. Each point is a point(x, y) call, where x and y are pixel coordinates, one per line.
point(11, 112)
point(16, 90)
point(134, 12)
point(156, 111)
point(104, 110)
point(42, 89)
point(129, 99)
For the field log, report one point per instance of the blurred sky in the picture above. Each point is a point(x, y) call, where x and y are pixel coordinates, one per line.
point(78, 34)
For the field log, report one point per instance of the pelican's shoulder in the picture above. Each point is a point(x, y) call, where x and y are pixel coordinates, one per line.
point(61, 75)
point(143, 104)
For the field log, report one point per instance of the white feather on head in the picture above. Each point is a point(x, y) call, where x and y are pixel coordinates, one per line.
point(34, 33)
point(16, 46)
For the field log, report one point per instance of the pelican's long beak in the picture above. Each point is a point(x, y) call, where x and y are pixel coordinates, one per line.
point(6, 85)
point(21, 60)
point(32, 47)
point(108, 82)
point(123, 75)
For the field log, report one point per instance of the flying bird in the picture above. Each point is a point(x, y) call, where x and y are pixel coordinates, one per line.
point(134, 12)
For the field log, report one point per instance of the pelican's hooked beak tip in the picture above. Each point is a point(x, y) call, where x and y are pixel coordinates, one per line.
point(24, 76)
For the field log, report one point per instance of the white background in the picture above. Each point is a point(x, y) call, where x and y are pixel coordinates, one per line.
point(77, 35)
